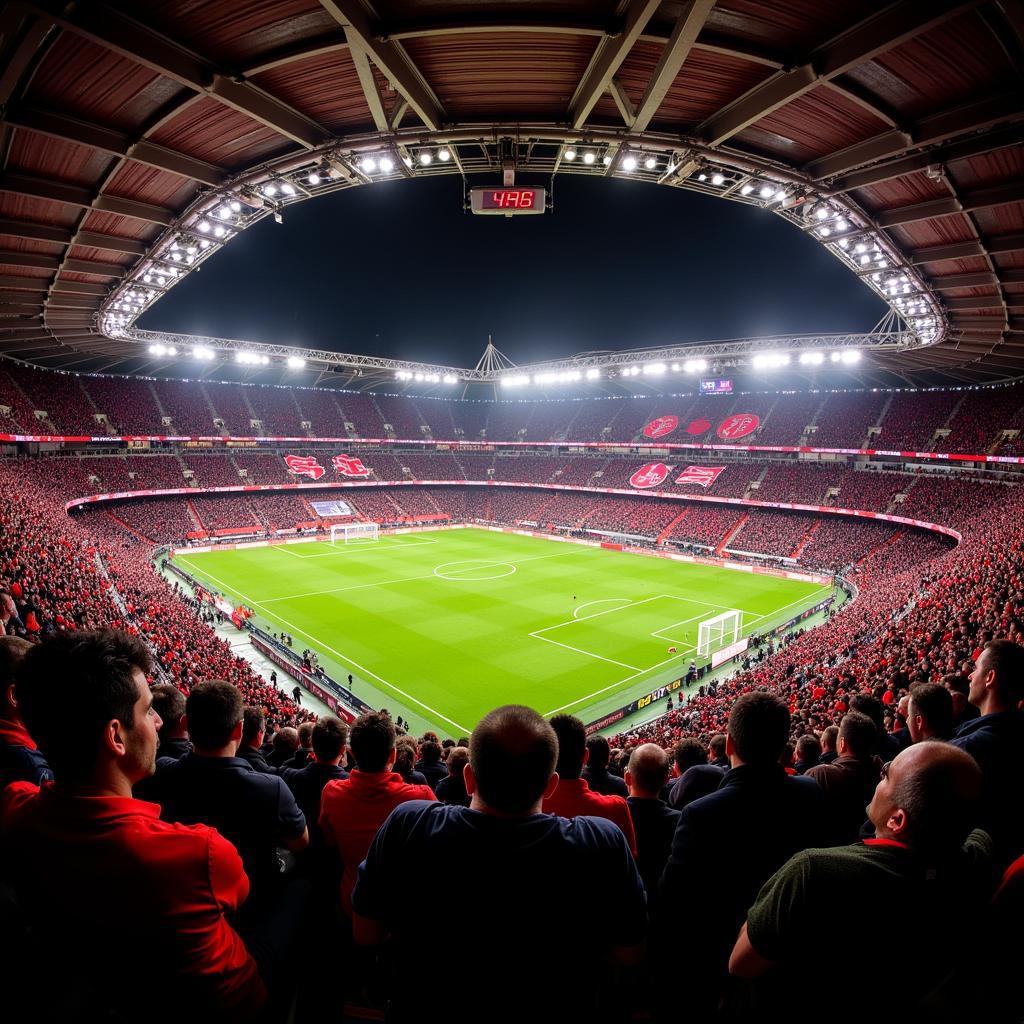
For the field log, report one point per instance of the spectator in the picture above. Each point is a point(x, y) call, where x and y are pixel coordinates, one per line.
point(596, 773)
point(82, 845)
point(717, 753)
point(405, 758)
point(728, 844)
point(697, 778)
point(654, 822)
point(211, 785)
point(829, 739)
point(922, 811)
point(887, 746)
point(169, 704)
point(20, 758)
point(429, 857)
point(328, 737)
point(254, 730)
point(352, 809)
point(849, 781)
point(959, 687)
point(808, 753)
point(285, 743)
point(452, 788)
point(430, 764)
point(572, 795)
point(304, 754)
point(995, 740)
point(929, 713)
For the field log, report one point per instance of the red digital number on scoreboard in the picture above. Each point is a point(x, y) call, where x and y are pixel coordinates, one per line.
point(507, 200)
point(517, 199)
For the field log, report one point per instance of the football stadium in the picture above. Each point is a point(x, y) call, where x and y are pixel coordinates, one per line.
point(511, 510)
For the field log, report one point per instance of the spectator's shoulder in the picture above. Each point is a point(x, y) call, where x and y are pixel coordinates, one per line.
point(15, 798)
point(593, 831)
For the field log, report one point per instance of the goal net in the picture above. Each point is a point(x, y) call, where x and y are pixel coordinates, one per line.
point(348, 532)
point(719, 631)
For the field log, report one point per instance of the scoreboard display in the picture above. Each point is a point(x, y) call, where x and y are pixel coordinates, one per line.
point(507, 201)
point(716, 386)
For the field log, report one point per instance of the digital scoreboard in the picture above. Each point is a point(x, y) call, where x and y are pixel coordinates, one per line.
point(716, 386)
point(507, 201)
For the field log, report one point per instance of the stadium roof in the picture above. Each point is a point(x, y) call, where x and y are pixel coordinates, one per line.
point(137, 139)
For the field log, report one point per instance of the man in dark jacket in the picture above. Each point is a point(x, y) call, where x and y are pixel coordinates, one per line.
point(20, 758)
point(653, 820)
point(430, 763)
point(596, 773)
point(729, 843)
point(254, 726)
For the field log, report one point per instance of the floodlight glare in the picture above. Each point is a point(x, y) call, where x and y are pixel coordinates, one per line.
point(570, 154)
point(296, 362)
point(629, 163)
point(270, 189)
point(387, 165)
point(593, 373)
point(368, 164)
point(204, 226)
point(717, 179)
point(606, 160)
point(766, 192)
point(314, 178)
point(425, 158)
point(444, 155)
point(172, 351)
point(770, 360)
point(811, 358)
point(695, 365)
point(747, 189)
point(450, 379)
point(287, 189)
point(655, 369)
point(589, 157)
point(650, 163)
point(851, 356)
point(822, 213)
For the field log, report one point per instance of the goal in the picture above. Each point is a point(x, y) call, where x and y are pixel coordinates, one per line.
point(349, 532)
point(719, 631)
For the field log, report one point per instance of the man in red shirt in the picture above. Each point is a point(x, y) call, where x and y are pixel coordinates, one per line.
point(353, 809)
point(109, 889)
point(572, 795)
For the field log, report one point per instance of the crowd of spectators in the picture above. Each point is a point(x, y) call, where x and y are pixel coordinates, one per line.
point(772, 533)
point(212, 470)
point(276, 410)
point(127, 402)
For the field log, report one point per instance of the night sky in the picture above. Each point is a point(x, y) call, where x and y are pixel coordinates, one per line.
point(397, 269)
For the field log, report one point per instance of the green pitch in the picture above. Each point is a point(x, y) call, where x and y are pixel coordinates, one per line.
point(446, 625)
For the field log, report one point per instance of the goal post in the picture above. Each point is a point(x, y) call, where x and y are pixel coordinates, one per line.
point(349, 532)
point(719, 631)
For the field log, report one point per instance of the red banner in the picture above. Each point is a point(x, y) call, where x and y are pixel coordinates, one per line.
point(305, 465)
point(698, 427)
point(661, 427)
point(704, 476)
point(349, 465)
point(651, 475)
point(738, 425)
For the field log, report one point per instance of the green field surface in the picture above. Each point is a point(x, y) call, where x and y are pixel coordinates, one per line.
point(446, 625)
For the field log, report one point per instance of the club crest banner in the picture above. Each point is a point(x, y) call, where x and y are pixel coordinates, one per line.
point(701, 476)
point(651, 475)
point(738, 425)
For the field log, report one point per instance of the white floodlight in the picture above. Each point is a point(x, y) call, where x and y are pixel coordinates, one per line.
point(851, 356)
point(650, 163)
point(516, 381)
point(224, 213)
point(842, 224)
point(770, 360)
point(148, 278)
point(368, 164)
point(702, 176)
point(219, 231)
point(593, 373)
point(747, 189)
point(204, 226)
point(288, 189)
point(629, 162)
point(157, 350)
point(314, 178)
point(236, 206)
point(270, 189)
point(766, 192)
point(296, 362)
point(695, 365)
point(811, 358)
point(161, 281)
point(822, 212)
point(387, 165)
point(444, 154)
point(425, 158)
point(589, 157)
point(717, 179)
point(570, 154)
point(606, 160)
point(655, 369)
point(172, 350)
point(450, 378)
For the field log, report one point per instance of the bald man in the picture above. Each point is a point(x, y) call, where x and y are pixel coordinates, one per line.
point(923, 859)
point(653, 820)
point(20, 759)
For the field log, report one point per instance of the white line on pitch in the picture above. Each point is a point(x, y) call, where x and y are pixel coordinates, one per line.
point(603, 600)
point(589, 654)
point(318, 642)
point(345, 550)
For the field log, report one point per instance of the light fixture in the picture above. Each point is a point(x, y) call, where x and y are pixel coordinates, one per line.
point(224, 213)
point(589, 157)
point(172, 351)
point(593, 373)
point(368, 164)
point(650, 163)
point(296, 362)
point(746, 189)
point(570, 154)
point(516, 381)
point(766, 192)
point(157, 350)
point(450, 379)
point(629, 162)
point(770, 360)
point(811, 358)
point(270, 189)
point(314, 178)
point(606, 160)
point(822, 212)
point(425, 158)
point(655, 369)
point(236, 206)
point(851, 356)
point(695, 365)
point(204, 226)
point(842, 224)
point(387, 165)
point(444, 155)
point(288, 189)
point(202, 352)
point(717, 179)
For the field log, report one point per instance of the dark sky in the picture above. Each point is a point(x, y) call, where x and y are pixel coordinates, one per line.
point(397, 269)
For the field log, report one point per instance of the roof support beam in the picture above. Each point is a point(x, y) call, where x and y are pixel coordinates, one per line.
point(949, 281)
point(608, 58)
point(28, 259)
point(965, 250)
point(94, 267)
point(74, 195)
point(35, 232)
point(618, 93)
point(77, 288)
point(878, 33)
point(688, 25)
point(390, 57)
point(978, 200)
point(111, 242)
point(975, 302)
point(106, 140)
point(976, 145)
point(368, 84)
point(970, 117)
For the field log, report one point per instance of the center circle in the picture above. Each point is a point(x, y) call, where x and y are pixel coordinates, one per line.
point(473, 570)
